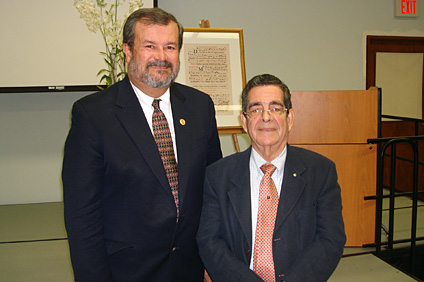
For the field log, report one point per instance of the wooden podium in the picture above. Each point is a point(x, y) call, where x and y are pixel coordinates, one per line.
point(337, 124)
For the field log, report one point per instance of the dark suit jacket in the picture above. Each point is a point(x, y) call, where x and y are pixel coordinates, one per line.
point(119, 211)
point(309, 231)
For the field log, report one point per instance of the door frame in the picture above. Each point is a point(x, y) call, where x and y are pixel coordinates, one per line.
point(393, 44)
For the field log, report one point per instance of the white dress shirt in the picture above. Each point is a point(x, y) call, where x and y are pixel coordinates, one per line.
point(256, 175)
point(165, 105)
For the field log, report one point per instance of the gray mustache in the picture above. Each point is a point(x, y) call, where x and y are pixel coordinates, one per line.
point(161, 64)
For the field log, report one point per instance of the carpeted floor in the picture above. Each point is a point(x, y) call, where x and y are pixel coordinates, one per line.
point(33, 247)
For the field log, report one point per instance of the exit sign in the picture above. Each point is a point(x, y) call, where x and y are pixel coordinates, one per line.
point(407, 8)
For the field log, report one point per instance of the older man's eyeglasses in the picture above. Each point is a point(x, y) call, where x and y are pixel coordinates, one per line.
point(274, 111)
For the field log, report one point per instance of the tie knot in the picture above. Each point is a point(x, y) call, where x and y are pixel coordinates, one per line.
point(268, 169)
point(155, 104)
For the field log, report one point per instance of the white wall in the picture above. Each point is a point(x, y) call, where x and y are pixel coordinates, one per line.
point(39, 33)
point(310, 45)
point(33, 129)
point(400, 76)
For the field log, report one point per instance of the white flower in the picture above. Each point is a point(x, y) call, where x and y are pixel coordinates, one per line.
point(98, 17)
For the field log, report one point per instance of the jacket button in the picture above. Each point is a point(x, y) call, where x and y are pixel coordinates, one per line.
point(174, 249)
point(247, 251)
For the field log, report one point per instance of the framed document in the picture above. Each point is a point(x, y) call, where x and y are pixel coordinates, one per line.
point(212, 60)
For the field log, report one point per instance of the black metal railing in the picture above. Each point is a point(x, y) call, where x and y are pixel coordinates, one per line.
point(384, 144)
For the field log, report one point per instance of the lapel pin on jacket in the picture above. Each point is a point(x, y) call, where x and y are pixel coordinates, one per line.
point(182, 121)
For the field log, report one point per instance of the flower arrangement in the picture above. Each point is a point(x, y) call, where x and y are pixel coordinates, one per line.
point(98, 17)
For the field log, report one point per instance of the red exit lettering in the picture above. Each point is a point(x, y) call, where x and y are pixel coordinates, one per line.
point(408, 6)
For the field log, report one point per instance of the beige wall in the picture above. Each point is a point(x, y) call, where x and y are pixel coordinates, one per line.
point(310, 45)
point(400, 77)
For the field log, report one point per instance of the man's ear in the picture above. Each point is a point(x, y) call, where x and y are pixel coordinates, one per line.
point(243, 121)
point(127, 51)
point(290, 118)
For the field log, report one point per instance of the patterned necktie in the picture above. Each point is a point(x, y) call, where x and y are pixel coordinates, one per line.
point(166, 149)
point(263, 262)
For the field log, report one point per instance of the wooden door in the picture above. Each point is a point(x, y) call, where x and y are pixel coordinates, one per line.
point(394, 128)
point(392, 44)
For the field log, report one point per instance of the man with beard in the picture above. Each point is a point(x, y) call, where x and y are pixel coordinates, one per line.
point(132, 201)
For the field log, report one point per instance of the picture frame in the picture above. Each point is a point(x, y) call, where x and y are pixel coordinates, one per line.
point(212, 60)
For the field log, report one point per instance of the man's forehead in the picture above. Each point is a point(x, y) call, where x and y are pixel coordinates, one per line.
point(145, 23)
point(156, 32)
point(262, 103)
point(265, 95)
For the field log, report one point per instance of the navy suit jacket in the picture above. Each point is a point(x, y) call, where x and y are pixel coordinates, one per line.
point(309, 232)
point(120, 214)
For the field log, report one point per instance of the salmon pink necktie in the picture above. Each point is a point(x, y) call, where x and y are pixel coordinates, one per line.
point(263, 262)
point(166, 149)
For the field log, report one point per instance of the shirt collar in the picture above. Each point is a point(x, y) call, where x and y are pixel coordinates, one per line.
point(146, 99)
point(278, 162)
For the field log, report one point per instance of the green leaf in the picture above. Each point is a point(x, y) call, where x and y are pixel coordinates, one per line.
point(107, 79)
point(108, 63)
point(101, 3)
point(122, 73)
point(102, 71)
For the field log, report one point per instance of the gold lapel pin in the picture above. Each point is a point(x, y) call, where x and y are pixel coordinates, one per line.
point(294, 174)
point(182, 121)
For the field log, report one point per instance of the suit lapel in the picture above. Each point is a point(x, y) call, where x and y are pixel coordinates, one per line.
point(239, 191)
point(239, 194)
point(292, 187)
point(183, 133)
point(132, 118)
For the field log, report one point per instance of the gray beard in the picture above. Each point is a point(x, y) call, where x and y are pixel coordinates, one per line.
point(152, 81)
